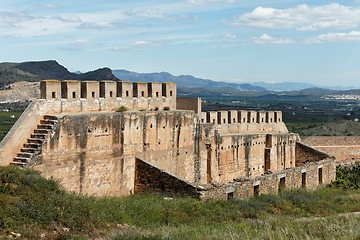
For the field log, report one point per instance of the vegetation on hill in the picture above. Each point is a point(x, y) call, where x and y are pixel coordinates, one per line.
point(36, 208)
point(36, 71)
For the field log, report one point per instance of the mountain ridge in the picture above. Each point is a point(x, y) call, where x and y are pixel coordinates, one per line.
point(35, 71)
point(183, 81)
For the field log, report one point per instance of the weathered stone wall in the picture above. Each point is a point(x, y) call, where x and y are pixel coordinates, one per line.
point(94, 153)
point(189, 104)
point(149, 178)
point(273, 183)
point(19, 133)
point(235, 122)
point(73, 96)
point(248, 156)
point(305, 154)
point(345, 149)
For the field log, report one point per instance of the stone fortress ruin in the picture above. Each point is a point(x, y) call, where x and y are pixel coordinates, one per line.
point(108, 138)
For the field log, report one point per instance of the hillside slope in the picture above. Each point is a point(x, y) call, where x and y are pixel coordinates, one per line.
point(36, 71)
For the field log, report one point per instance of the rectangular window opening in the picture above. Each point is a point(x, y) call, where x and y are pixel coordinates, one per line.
point(142, 93)
point(73, 94)
point(256, 190)
point(111, 94)
point(320, 173)
point(93, 94)
point(157, 94)
point(127, 93)
point(171, 93)
point(303, 180)
point(282, 184)
point(53, 94)
point(230, 195)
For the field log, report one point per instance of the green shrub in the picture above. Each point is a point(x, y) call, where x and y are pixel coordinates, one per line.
point(348, 177)
point(122, 109)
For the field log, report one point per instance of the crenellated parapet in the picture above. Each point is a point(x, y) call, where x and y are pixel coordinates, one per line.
point(83, 96)
point(242, 121)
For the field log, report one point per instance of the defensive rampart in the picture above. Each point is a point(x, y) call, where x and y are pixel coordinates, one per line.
point(89, 134)
point(73, 96)
point(245, 121)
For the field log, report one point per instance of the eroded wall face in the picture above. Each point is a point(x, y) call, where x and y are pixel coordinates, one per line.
point(95, 153)
point(248, 156)
point(315, 174)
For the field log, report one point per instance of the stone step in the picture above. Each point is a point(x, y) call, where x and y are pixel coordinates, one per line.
point(29, 150)
point(49, 117)
point(38, 135)
point(25, 155)
point(41, 131)
point(35, 140)
point(45, 126)
point(32, 145)
point(50, 122)
point(15, 163)
point(21, 159)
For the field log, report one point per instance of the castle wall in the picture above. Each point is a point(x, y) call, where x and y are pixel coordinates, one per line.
point(95, 153)
point(73, 96)
point(149, 178)
point(93, 148)
point(309, 176)
point(249, 156)
point(193, 104)
point(19, 133)
point(233, 122)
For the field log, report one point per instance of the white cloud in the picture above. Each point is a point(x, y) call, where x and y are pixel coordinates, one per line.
point(82, 42)
point(210, 1)
point(11, 19)
point(138, 44)
point(146, 13)
point(265, 38)
point(146, 44)
point(337, 37)
point(230, 36)
point(302, 17)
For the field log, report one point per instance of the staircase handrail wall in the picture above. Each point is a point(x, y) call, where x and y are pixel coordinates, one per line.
point(19, 133)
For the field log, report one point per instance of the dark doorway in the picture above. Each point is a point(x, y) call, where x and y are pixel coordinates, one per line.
point(256, 190)
point(303, 180)
point(320, 173)
point(282, 184)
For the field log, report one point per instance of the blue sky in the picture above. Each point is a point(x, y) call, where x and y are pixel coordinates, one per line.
point(230, 40)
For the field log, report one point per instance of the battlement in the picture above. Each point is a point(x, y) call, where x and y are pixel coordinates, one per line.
point(73, 89)
point(242, 121)
point(241, 116)
point(80, 96)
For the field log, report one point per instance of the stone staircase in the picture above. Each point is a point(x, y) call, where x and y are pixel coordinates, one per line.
point(33, 147)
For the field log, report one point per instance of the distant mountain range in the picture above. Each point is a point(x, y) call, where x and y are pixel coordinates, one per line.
point(186, 84)
point(36, 71)
point(191, 83)
point(185, 81)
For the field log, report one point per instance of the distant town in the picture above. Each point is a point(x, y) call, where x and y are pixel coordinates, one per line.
point(342, 97)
